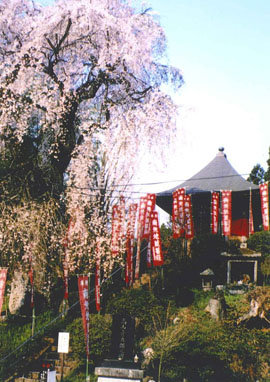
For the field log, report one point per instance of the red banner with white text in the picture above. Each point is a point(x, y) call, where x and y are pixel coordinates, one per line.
point(116, 221)
point(264, 193)
point(214, 212)
point(156, 240)
point(141, 218)
point(250, 217)
point(181, 211)
point(178, 213)
point(189, 226)
point(66, 242)
point(226, 210)
point(3, 277)
point(175, 216)
point(149, 255)
point(122, 217)
point(118, 227)
point(97, 277)
point(31, 278)
point(132, 214)
point(150, 206)
point(140, 227)
point(84, 302)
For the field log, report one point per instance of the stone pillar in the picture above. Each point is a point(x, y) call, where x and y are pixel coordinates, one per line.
point(255, 271)
point(229, 266)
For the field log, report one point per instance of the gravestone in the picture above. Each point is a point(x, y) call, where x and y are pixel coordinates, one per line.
point(121, 365)
point(122, 344)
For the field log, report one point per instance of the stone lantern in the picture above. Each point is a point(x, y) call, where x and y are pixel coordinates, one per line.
point(207, 279)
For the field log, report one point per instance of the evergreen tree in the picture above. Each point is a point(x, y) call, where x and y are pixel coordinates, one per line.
point(267, 172)
point(257, 174)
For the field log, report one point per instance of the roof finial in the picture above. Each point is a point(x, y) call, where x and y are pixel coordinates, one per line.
point(221, 152)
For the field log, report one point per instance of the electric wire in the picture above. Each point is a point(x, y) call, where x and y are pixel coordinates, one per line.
point(170, 181)
point(60, 316)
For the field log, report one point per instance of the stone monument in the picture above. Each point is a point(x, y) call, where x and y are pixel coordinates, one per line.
point(123, 364)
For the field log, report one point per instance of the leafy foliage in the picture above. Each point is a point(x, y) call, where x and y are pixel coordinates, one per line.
point(100, 338)
point(267, 172)
point(260, 242)
point(204, 350)
point(137, 303)
point(257, 174)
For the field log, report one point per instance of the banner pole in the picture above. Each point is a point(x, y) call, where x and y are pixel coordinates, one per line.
point(87, 376)
point(33, 320)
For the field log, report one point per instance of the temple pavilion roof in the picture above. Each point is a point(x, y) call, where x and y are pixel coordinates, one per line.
point(216, 176)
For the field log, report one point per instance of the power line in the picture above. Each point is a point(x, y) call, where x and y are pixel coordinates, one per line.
point(130, 192)
point(43, 329)
point(163, 182)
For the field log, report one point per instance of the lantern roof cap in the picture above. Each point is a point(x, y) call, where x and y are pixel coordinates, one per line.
point(207, 272)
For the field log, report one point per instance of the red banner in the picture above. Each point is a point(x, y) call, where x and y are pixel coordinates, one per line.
point(178, 213)
point(31, 278)
point(156, 240)
point(150, 206)
point(97, 278)
point(84, 302)
point(189, 226)
point(149, 255)
point(214, 212)
point(3, 277)
point(132, 213)
point(181, 219)
point(250, 218)
point(175, 216)
point(265, 205)
point(141, 218)
point(118, 227)
point(122, 217)
point(226, 211)
point(66, 241)
point(140, 226)
point(116, 221)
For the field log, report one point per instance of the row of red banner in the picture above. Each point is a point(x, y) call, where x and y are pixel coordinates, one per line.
point(182, 219)
point(182, 222)
point(147, 229)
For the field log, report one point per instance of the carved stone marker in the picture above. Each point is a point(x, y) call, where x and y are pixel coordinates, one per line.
point(123, 328)
point(217, 306)
point(121, 366)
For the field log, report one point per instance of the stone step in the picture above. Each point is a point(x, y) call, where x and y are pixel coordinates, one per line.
point(66, 369)
point(53, 358)
point(51, 355)
point(34, 375)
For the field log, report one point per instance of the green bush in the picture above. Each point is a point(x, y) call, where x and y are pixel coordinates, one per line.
point(201, 349)
point(260, 242)
point(100, 338)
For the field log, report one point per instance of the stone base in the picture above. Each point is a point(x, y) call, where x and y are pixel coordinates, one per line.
point(119, 371)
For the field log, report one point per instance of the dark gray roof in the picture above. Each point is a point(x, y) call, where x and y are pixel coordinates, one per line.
point(217, 175)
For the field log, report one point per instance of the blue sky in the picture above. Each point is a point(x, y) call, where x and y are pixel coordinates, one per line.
point(222, 48)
